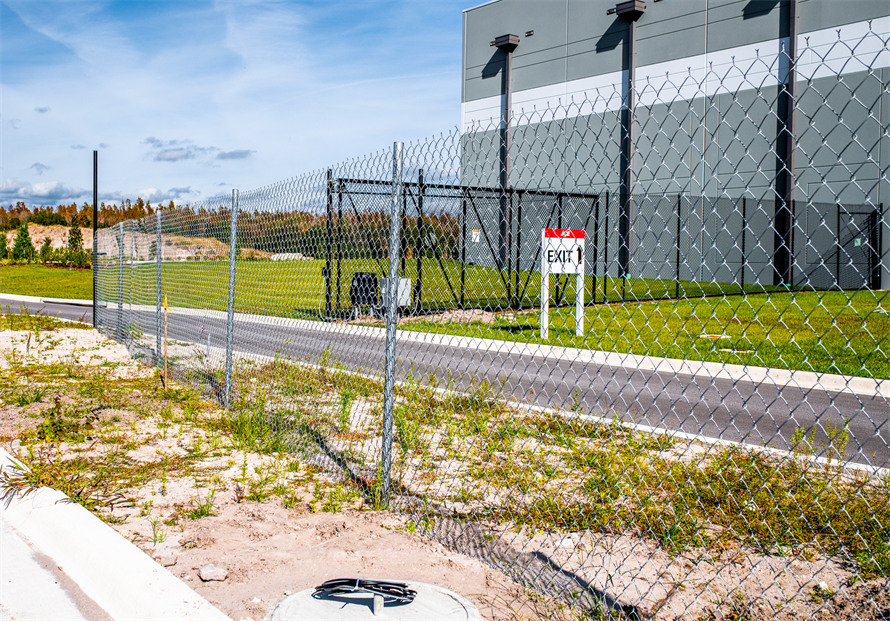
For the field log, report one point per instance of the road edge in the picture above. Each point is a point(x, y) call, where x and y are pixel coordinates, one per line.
point(119, 577)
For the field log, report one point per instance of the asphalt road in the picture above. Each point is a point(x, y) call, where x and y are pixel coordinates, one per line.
point(743, 411)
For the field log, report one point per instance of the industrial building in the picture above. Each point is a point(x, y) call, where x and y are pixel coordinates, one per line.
point(728, 141)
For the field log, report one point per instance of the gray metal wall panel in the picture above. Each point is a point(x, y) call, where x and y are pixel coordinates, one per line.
point(819, 14)
point(595, 142)
point(590, 43)
point(586, 24)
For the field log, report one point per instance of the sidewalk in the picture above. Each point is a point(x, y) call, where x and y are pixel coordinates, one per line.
point(59, 561)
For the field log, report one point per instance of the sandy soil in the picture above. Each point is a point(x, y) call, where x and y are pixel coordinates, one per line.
point(277, 526)
point(58, 236)
point(268, 550)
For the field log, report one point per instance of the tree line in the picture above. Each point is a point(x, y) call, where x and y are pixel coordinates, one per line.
point(109, 214)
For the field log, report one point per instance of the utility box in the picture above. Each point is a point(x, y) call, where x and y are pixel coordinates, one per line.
point(364, 290)
point(403, 292)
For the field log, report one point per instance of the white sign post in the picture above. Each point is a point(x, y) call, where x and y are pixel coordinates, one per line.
point(562, 252)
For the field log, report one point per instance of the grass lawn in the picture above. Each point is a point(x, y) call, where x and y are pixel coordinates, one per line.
point(831, 332)
point(41, 280)
point(826, 332)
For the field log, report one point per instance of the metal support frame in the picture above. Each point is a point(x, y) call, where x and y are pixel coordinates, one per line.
point(507, 44)
point(630, 12)
point(783, 253)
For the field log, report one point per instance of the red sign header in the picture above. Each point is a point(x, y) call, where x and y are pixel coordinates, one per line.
point(564, 233)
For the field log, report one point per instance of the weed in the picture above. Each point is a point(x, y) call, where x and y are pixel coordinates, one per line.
point(252, 430)
point(203, 507)
point(338, 495)
point(407, 429)
point(158, 534)
point(27, 396)
point(346, 398)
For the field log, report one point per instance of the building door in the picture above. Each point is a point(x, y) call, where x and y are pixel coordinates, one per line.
point(857, 249)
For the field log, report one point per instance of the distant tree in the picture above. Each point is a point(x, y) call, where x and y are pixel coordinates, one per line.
point(4, 251)
point(75, 236)
point(22, 247)
point(46, 251)
point(46, 217)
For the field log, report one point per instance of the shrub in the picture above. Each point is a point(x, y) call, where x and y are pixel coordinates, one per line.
point(78, 258)
point(4, 251)
point(46, 251)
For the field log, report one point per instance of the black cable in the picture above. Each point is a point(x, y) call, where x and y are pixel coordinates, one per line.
point(392, 592)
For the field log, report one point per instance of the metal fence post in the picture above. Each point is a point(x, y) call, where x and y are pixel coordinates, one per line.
point(392, 309)
point(606, 250)
point(159, 325)
point(596, 250)
point(677, 248)
point(120, 281)
point(95, 223)
point(329, 206)
point(230, 321)
point(744, 253)
point(463, 250)
point(418, 286)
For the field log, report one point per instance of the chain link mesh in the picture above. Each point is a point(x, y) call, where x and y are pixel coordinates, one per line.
point(715, 444)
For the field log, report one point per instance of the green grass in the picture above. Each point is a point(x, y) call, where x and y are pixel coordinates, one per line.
point(827, 332)
point(40, 280)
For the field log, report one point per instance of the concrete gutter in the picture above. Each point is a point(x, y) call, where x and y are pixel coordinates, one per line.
point(98, 571)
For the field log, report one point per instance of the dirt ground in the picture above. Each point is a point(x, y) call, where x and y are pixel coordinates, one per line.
point(283, 542)
point(165, 470)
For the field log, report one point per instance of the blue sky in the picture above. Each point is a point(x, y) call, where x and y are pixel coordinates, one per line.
point(190, 98)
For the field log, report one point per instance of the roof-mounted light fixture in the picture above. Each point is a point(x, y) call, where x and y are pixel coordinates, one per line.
point(506, 43)
point(630, 10)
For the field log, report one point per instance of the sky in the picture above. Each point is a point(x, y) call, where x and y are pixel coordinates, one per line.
point(186, 99)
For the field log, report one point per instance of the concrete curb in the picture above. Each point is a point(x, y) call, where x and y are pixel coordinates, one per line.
point(803, 380)
point(114, 573)
point(68, 301)
point(765, 376)
point(31, 299)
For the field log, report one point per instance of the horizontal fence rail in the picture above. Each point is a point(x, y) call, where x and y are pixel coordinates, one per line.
point(707, 437)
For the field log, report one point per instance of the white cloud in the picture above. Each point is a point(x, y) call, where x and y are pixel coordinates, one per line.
point(46, 192)
point(252, 92)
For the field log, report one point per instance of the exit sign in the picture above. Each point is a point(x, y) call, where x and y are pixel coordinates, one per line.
point(563, 251)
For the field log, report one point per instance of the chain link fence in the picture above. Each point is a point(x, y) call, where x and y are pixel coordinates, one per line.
point(712, 442)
